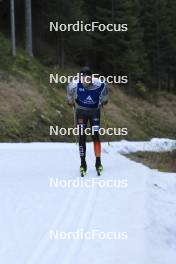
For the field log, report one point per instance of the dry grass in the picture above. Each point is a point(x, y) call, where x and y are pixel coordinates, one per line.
point(23, 102)
point(15, 97)
point(144, 119)
point(165, 161)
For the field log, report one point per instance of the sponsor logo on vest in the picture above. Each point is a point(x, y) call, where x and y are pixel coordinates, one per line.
point(89, 100)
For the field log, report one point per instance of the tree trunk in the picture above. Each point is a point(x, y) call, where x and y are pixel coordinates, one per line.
point(158, 47)
point(130, 90)
point(62, 51)
point(28, 26)
point(13, 37)
point(112, 10)
point(168, 82)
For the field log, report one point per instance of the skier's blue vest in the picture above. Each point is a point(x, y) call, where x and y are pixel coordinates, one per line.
point(89, 98)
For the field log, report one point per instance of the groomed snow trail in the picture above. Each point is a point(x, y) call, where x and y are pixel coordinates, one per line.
point(30, 208)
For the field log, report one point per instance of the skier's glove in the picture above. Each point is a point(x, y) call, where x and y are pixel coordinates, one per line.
point(71, 103)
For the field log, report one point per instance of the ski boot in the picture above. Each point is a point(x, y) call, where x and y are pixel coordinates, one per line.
point(98, 166)
point(83, 168)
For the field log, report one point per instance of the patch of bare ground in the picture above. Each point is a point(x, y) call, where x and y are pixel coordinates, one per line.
point(164, 161)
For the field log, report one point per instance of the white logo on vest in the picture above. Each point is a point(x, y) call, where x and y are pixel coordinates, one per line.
point(89, 100)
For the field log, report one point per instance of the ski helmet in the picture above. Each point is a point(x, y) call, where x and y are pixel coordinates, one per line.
point(86, 71)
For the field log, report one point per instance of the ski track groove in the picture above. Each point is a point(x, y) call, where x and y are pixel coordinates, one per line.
point(45, 242)
point(82, 224)
point(69, 213)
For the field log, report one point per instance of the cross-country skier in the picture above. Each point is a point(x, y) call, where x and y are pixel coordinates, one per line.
point(87, 95)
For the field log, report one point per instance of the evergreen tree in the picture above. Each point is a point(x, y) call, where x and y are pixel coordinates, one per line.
point(119, 52)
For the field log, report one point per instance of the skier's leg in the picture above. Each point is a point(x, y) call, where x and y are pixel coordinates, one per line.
point(97, 144)
point(95, 124)
point(82, 149)
point(82, 124)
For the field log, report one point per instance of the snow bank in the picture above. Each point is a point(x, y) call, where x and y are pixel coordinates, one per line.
point(155, 145)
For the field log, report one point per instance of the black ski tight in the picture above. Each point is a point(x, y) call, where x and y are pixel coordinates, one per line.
point(83, 118)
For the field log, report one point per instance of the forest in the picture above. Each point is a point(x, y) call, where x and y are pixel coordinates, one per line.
point(146, 53)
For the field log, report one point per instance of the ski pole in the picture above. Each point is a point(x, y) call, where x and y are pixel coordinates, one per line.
point(106, 122)
point(74, 117)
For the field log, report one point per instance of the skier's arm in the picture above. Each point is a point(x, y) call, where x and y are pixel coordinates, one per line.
point(71, 93)
point(104, 95)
